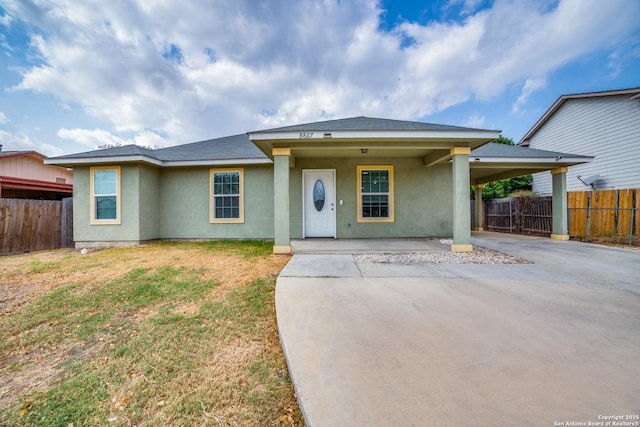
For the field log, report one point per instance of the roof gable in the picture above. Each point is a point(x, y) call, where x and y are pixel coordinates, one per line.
point(633, 93)
point(5, 154)
point(363, 123)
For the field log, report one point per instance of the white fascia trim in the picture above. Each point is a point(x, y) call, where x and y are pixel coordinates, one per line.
point(156, 162)
point(102, 160)
point(306, 135)
point(562, 161)
point(218, 162)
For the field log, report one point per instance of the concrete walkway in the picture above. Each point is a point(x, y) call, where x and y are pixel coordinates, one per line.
point(483, 345)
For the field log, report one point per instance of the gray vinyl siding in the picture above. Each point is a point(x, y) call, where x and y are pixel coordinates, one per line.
point(607, 128)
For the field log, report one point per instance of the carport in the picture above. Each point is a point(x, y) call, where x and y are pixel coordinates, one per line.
point(493, 162)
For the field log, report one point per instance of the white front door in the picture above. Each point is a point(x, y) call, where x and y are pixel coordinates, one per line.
point(319, 202)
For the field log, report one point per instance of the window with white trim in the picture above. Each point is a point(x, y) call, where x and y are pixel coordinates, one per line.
point(227, 188)
point(375, 194)
point(105, 195)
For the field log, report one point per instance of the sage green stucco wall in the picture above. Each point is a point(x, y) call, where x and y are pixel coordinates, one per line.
point(184, 205)
point(423, 198)
point(149, 185)
point(139, 186)
point(173, 203)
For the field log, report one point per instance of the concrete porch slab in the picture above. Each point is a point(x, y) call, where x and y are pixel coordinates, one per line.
point(321, 265)
point(354, 246)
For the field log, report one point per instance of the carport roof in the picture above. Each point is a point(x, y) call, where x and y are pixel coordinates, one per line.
point(494, 161)
point(493, 149)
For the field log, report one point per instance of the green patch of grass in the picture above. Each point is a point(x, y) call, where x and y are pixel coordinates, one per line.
point(150, 347)
point(40, 267)
point(254, 296)
point(243, 248)
point(165, 352)
point(143, 287)
point(67, 315)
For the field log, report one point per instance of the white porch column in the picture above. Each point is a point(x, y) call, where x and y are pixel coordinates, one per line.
point(560, 230)
point(461, 203)
point(477, 208)
point(282, 238)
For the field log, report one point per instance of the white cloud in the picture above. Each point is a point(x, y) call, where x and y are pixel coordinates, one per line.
point(97, 137)
point(187, 72)
point(467, 6)
point(530, 86)
point(3, 118)
point(91, 138)
point(12, 142)
point(474, 121)
point(5, 20)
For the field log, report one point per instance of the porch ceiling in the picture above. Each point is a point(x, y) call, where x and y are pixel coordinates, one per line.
point(482, 173)
point(376, 147)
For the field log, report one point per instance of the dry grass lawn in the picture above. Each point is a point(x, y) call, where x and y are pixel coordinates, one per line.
point(162, 334)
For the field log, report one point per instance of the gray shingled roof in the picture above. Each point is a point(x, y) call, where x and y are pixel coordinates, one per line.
point(238, 147)
point(366, 124)
point(493, 149)
point(125, 150)
point(227, 148)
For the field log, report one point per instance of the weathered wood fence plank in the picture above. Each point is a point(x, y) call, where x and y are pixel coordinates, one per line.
point(66, 226)
point(32, 225)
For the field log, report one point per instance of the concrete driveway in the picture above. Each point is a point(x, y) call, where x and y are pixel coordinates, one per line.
point(556, 341)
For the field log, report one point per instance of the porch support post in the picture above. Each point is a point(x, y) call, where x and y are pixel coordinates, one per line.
point(559, 229)
point(461, 203)
point(282, 238)
point(477, 208)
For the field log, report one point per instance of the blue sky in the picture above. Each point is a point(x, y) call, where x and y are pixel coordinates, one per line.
point(76, 75)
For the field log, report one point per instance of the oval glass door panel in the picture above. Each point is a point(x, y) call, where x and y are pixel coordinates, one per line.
point(318, 195)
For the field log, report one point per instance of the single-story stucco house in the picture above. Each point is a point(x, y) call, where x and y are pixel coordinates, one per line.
point(349, 178)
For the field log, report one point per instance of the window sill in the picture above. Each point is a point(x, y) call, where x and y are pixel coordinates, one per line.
point(366, 220)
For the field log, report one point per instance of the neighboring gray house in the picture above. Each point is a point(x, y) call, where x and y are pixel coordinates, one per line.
point(605, 125)
point(351, 178)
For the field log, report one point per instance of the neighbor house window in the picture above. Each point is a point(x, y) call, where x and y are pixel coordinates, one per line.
point(105, 195)
point(227, 198)
point(375, 193)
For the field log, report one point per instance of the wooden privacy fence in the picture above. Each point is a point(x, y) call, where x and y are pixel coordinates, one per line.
point(530, 215)
point(34, 225)
point(602, 213)
point(605, 213)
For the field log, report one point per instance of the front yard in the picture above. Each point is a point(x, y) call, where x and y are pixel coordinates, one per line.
point(162, 334)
